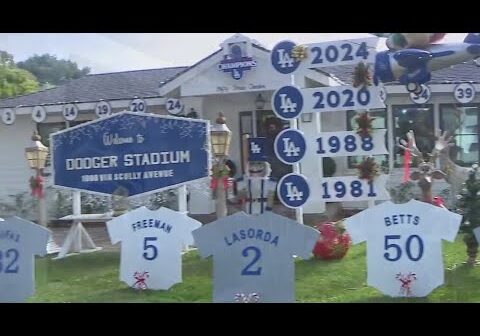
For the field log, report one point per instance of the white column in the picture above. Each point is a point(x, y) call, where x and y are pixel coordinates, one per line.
point(182, 199)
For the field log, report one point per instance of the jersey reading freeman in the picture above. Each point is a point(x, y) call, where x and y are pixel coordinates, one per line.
point(20, 241)
point(404, 251)
point(152, 243)
point(254, 255)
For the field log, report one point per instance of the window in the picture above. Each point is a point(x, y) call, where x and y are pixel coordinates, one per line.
point(380, 121)
point(418, 119)
point(462, 123)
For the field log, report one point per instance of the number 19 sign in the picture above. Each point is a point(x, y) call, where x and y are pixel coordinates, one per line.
point(289, 102)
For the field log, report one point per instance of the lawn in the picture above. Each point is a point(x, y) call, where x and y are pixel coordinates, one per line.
point(94, 278)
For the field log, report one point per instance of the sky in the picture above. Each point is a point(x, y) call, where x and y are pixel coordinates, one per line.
point(112, 52)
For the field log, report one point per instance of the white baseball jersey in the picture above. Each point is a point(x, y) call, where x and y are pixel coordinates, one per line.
point(477, 234)
point(404, 245)
point(257, 189)
point(253, 255)
point(152, 244)
point(20, 241)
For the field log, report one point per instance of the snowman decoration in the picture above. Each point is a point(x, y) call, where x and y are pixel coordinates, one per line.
point(256, 189)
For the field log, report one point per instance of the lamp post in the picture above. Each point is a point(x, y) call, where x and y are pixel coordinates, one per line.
point(220, 137)
point(37, 157)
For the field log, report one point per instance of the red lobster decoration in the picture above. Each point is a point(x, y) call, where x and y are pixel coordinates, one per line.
point(140, 278)
point(406, 280)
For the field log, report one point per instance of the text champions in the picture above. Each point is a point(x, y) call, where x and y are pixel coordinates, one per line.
point(128, 160)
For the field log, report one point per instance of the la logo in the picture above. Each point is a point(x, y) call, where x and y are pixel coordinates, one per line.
point(292, 192)
point(289, 148)
point(254, 148)
point(284, 59)
point(287, 105)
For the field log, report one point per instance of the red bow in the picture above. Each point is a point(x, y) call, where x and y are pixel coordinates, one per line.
point(214, 182)
point(36, 184)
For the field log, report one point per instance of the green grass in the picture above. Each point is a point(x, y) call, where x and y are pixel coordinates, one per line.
point(94, 278)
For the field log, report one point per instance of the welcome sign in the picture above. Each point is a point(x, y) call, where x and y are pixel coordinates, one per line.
point(143, 153)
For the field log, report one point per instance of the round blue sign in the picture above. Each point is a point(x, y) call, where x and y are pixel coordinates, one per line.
point(290, 146)
point(293, 190)
point(281, 57)
point(287, 102)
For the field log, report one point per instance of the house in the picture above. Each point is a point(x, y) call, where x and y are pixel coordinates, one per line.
point(243, 93)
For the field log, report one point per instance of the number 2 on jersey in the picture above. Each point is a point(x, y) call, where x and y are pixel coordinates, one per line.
point(250, 268)
point(8, 261)
point(151, 250)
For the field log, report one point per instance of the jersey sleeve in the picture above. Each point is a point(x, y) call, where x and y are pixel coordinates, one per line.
point(303, 238)
point(477, 234)
point(190, 225)
point(115, 230)
point(356, 226)
point(205, 238)
point(40, 237)
point(446, 223)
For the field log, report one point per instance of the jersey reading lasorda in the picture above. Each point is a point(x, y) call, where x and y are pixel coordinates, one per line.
point(152, 243)
point(404, 245)
point(254, 255)
point(20, 241)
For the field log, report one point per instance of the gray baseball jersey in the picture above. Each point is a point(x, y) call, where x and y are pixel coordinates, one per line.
point(20, 241)
point(254, 254)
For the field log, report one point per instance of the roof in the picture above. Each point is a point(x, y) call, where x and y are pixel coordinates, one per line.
point(459, 73)
point(107, 86)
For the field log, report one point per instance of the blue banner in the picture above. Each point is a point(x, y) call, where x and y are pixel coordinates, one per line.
point(142, 153)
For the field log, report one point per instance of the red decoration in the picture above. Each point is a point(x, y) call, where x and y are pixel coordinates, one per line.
point(225, 181)
point(36, 184)
point(334, 241)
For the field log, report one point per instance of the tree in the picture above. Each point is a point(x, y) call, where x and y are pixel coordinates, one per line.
point(48, 69)
point(469, 206)
point(14, 81)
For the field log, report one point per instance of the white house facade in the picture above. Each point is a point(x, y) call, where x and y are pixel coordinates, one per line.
point(211, 86)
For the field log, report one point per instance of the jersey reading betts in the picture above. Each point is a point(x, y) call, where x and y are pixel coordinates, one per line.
point(152, 243)
point(404, 251)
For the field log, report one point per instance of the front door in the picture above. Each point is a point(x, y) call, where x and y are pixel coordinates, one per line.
point(263, 123)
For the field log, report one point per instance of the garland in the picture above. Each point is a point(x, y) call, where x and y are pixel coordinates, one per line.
point(364, 124)
point(368, 169)
point(361, 75)
point(299, 53)
point(220, 173)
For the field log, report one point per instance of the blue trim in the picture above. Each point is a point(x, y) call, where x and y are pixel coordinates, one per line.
point(250, 196)
point(261, 195)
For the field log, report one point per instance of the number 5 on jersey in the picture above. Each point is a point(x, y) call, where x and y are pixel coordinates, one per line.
point(150, 249)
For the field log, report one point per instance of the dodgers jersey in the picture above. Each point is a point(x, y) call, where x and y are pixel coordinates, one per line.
point(152, 244)
point(257, 190)
point(20, 241)
point(254, 255)
point(477, 234)
point(404, 245)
